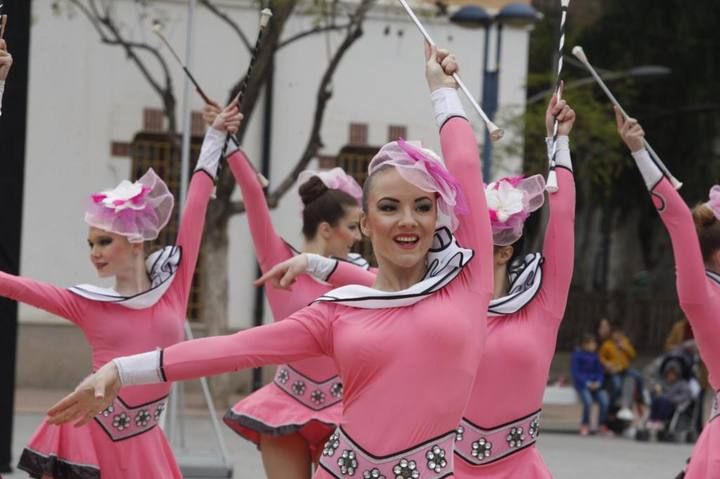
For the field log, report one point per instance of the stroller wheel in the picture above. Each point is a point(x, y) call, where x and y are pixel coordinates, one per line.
point(642, 435)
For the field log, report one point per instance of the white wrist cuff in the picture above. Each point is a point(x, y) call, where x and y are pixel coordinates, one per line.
point(562, 154)
point(211, 151)
point(648, 169)
point(139, 368)
point(320, 267)
point(2, 89)
point(446, 104)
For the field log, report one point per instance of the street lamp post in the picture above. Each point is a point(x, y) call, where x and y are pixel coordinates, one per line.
point(476, 17)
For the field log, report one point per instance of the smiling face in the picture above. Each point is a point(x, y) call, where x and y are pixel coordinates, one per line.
point(111, 253)
point(343, 236)
point(400, 219)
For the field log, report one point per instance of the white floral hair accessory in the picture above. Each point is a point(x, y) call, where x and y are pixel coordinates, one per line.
point(510, 201)
point(334, 179)
point(138, 211)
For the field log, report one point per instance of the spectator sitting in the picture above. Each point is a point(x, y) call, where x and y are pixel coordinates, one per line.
point(616, 354)
point(587, 373)
point(673, 391)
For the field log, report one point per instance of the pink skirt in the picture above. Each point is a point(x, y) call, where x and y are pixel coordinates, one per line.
point(88, 452)
point(705, 460)
point(272, 411)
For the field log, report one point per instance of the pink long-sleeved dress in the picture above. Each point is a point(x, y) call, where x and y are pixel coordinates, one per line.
point(277, 409)
point(496, 438)
point(123, 441)
point(407, 359)
point(699, 295)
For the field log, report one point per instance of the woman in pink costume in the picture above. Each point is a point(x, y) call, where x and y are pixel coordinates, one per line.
point(406, 350)
point(145, 310)
point(496, 438)
point(291, 418)
point(695, 237)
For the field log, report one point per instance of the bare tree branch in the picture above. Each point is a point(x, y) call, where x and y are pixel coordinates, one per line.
point(237, 207)
point(110, 35)
point(324, 93)
point(312, 31)
point(232, 23)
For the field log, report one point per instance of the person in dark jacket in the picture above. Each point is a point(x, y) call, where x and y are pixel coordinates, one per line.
point(588, 373)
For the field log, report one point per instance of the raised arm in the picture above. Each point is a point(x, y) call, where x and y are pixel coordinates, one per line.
point(692, 284)
point(304, 334)
point(201, 186)
point(269, 246)
point(57, 301)
point(559, 244)
point(461, 155)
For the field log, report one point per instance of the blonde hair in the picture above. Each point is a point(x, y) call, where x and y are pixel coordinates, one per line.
point(708, 230)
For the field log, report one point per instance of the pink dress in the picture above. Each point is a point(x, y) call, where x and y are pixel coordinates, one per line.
point(496, 438)
point(122, 442)
point(276, 409)
point(699, 295)
point(407, 359)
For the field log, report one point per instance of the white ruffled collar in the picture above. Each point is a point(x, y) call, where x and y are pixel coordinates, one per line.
point(525, 281)
point(446, 259)
point(161, 267)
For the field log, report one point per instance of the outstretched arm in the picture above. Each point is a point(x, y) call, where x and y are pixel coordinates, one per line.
point(559, 244)
point(58, 301)
point(460, 151)
point(304, 334)
point(329, 270)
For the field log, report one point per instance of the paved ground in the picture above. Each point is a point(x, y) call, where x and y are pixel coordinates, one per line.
point(568, 455)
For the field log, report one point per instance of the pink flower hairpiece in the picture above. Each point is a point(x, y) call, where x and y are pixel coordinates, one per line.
point(510, 201)
point(438, 173)
point(125, 195)
point(137, 210)
point(714, 202)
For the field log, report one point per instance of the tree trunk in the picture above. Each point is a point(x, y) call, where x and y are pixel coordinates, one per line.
point(214, 309)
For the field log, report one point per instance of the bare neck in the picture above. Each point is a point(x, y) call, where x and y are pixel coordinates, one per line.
point(393, 278)
point(134, 280)
point(315, 246)
point(501, 283)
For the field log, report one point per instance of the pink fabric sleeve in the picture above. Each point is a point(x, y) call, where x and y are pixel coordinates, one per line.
point(58, 301)
point(304, 334)
point(191, 231)
point(347, 273)
point(460, 151)
point(697, 300)
point(692, 284)
point(269, 246)
point(559, 246)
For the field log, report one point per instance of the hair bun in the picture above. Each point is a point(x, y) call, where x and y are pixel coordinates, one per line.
point(703, 216)
point(311, 190)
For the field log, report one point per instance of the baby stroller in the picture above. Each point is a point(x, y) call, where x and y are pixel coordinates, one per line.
point(683, 425)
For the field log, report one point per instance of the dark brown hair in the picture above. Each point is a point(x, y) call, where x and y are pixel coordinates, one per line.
point(322, 204)
point(708, 230)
